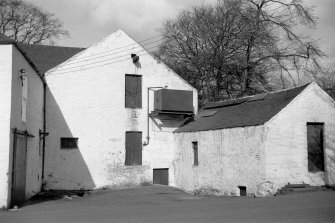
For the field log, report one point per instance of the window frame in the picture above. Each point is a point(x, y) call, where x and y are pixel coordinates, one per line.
point(312, 160)
point(24, 98)
point(134, 104)
point(132, 157)
point(76, 139)
point(195, 147)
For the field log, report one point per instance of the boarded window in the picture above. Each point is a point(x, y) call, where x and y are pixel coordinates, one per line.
point(24, 95)
point(133, 92)
point(195, 153)
point(133, 148)
point(315, 147)
point(161, 176)
point(69, 143)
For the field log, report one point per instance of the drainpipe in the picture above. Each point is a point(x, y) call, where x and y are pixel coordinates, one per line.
point(148, 114)
point(44, 133)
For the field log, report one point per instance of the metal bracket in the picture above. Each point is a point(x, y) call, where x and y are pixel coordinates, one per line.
point(43, 134)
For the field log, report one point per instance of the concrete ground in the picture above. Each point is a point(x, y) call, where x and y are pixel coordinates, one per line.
point(164, 204)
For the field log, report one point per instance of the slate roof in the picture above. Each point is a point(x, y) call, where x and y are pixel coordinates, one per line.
point(43, 57)
point(47, 57)
point(5, 39)
point(249, 111)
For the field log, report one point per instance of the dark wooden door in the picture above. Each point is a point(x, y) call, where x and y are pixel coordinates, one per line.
point(18, 194)
point(161, 176)
point(133, 148)
point(315, 147)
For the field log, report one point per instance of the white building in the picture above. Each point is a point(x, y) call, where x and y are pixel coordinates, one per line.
point(21, 120)
point(97, 104)
point(282, 137)
point(110, 115)
point(22, 117)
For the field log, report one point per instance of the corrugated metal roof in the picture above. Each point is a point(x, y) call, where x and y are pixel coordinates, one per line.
point(242, 112)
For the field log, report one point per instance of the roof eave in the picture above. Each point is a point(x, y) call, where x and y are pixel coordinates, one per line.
point(12, 42)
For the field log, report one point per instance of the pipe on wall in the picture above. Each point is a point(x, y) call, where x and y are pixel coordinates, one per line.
point(148, 114)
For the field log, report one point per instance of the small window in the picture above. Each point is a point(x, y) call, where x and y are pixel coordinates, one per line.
point(315, 147)
point(195, 153)
point(24, 97)
point(133, 148)
point(133, 94)
point(69, 143)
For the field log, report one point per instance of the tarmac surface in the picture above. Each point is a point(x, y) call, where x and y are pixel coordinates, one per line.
point(165, 204)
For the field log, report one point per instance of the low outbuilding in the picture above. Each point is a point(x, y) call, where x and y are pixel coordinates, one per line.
point(282, 137)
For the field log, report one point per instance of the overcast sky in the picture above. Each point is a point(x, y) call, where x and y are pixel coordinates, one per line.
point(91, 20)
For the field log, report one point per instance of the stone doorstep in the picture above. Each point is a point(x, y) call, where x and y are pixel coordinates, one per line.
point(300, 188)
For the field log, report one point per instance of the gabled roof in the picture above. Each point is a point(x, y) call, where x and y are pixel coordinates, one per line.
point(46, 57)
point(42, 57)
point(248, 111)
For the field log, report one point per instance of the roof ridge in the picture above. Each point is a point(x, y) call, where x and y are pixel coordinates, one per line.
point(254, 95)
point(288, 89)
point(43, 45)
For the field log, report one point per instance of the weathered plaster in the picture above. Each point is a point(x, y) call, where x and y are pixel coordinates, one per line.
point(90, 104)
point(286, 142)
point(12, 61)
point(5, 95)
point(228, 158)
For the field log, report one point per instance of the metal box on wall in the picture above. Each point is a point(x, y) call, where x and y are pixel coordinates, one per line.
point(170, 100)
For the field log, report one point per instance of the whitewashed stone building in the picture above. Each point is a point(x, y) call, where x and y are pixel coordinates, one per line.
point(76, 118)
point(21, 120)
point(23, 117)
point(97, 117)
point(111, 115)
point(282, 137)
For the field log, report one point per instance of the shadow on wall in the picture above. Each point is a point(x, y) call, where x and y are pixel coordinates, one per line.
point(65, 166)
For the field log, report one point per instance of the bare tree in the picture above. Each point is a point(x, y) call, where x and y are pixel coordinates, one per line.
point(24, 22)
point(324, 77)
point(203, 46)
point(280, 46)
point(234, 47)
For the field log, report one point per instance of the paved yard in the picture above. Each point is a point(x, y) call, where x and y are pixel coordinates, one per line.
point(164, 204)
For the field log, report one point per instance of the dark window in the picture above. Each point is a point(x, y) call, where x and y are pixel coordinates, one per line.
point(315, 147)
point(195, 153)
point(133, 92)
point(69, 143)
point(133, 148)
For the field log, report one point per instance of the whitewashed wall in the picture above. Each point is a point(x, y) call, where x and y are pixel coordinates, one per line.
point(90, 104)
point(228, 158)
point(5, 95)
point(12, 61)
point(286, 141)
point(34, 119)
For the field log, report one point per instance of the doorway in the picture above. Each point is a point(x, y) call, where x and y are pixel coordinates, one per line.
point(19, 168)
